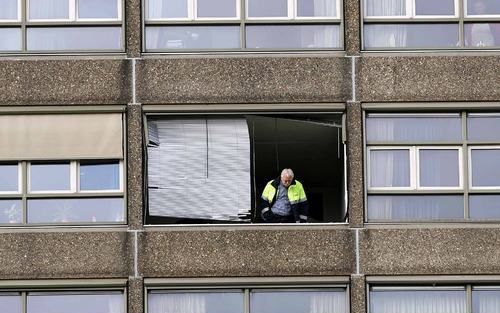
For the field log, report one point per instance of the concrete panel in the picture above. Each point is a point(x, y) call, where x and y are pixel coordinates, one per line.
point(430, 251)
point(358, 294)
point(247, 253)
point(135, 295)
point(64, 255)
point(244, 80)
point(355, 164)
point(134, 166)
point(352, 40)
point(64, 81)
point(428, 78)
point(133, 28)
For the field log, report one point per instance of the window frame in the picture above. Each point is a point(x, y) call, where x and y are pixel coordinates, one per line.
point(480, 147)
point(19, 14)
point(19, 179)
point(411, 8)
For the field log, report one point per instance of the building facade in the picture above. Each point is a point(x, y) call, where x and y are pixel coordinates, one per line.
point(388, 110)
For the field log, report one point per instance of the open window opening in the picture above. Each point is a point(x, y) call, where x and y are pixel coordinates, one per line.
point(213, 168)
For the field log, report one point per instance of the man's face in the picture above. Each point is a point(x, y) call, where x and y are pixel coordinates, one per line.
point(286, 180)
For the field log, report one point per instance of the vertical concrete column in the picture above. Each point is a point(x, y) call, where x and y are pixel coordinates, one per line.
point(358, 294)
point(352, 25)
point(355, 163)
point(135, 295)
point(133, 32)
point(135, 167)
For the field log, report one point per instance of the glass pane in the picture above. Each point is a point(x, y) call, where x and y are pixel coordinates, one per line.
point(10, 39)
point(385, 7)
point(416, 208)
point(75, 210)
point(293, 36)
point(418, 301)
point(485, 301)
point(308, 8)
point(192, 37)
point(9, 178)
point(11, 211)
point(485, 167)
point(483, 7)
point(50, 177)
point(413, 129)
point(49, 9)
point(483, 128)
point(411, 36)
point(389, 168)
point(267, 301)
point(267, 8)
point(167, 9)
point(484, 207)
point(439, 168)
point(10, 303)
point(482, 34)
point(89, 302)
point(74, 38)
point(216, 8)
point(432, 7)
point(184, 302)
point(100, 176)
point(9, 10)
point(98, 9)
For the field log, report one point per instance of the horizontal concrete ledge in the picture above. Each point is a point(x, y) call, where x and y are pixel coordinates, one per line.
point(246, 281)
point(431, 106)
point(244, 108)
point(434, 278)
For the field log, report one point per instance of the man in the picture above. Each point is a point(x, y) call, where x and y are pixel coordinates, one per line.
point(284, 200)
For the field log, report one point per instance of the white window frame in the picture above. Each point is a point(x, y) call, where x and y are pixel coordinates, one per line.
point(466, 13)
point(72, 177)
point(192, 14)
point(18, 19)
point(460, 167)
point(412, 160)
point(120, 183)
point(19, 184)
point(411, 12)
point(73, 14)
point(292, 6)
point(469, 167)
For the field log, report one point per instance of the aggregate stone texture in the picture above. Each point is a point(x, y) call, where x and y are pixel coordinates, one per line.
point(358, 294)
point(352, 27)
point(355, 163)
point(244, 80)
point(430, 251)
point(64, 81)
point(429, 78)
point(134, 162)
point(63, 255)
point(133, 27)
point(135, 295)
point(247, 253)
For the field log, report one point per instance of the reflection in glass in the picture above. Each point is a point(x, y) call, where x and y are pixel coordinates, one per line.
point(389, 168)
point(49, 9)
point(193, 37)
point(292, 36)
point(9, 178)
point(100, 176)
point(437, 300)
point(483, 7)
point(413, 129)
point(483, 128)
point(484, 207)
point(167, 9)
point(77, 302)
point(11, 39)
point(74, 38)
point(439, 168)
point(271, 301)
point(10, 302)
point(432, 7)
point(416, 208)
point(75, 210)
point(425, 36)
point(230, 301)
point(485, 165)
point(311, 8)
point(482, 34)
point(50, 177)
point(11, 212)
point(216, 8)
point(98, 9)
point(9, 10)
point(485, 300)
point(385, 8)
point(267, 8)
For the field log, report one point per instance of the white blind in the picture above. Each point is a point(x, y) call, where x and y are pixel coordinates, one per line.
point(199, 168)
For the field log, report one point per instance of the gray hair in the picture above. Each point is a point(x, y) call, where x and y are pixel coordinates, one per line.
point(287, 172)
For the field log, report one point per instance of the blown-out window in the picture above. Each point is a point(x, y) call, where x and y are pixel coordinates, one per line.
point(177, 25)
point(61, 168)
point(428, 167)
point(212, 169)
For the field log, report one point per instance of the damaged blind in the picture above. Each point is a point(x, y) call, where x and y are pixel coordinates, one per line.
point(199, 168)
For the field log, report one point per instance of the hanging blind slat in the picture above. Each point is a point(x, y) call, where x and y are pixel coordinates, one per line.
point(61, 136)
point(200, 169)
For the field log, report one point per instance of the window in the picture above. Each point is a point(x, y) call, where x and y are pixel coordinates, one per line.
point(427, 24)
point(61, 25)
point(187, 25)
point(428, 167)
point(88, 188)
point(442, 298)
point(213, 169)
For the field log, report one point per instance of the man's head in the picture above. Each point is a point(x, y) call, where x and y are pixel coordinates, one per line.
point(286, 177)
